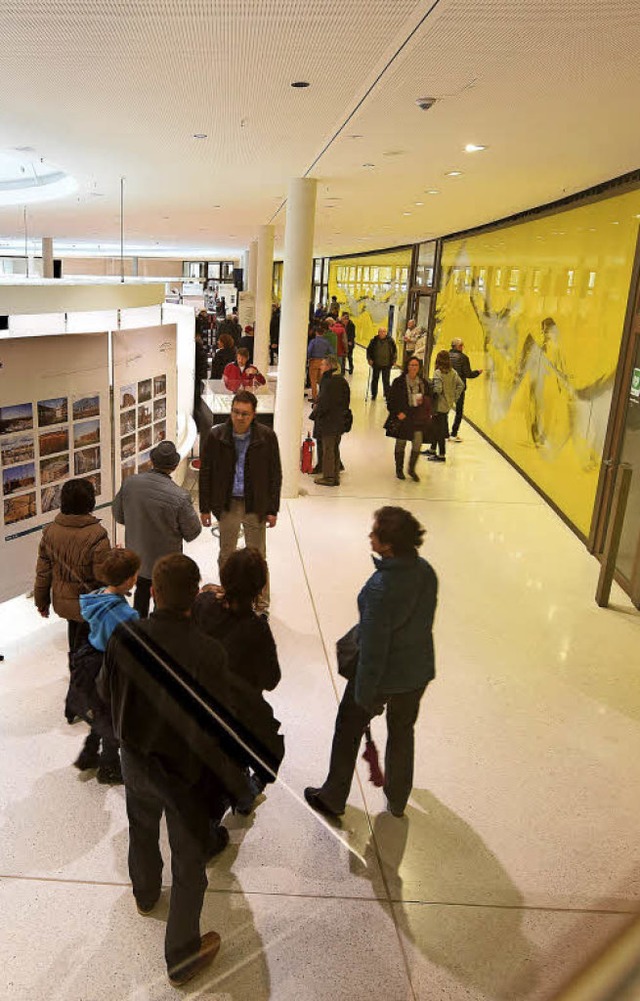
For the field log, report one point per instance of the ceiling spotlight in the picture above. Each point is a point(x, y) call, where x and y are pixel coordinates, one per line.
point(300, 84)
point(418, 203)
point(473, 148)
point(424, 103)
point(369, 166)
point(432, 191)
point(453, 173)
point(406, 213)
point(200, 135)
point(354, 135)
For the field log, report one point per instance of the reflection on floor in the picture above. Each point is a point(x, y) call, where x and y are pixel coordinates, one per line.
point(519, 853)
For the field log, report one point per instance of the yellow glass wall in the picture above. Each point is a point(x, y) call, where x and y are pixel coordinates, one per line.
point(540, 306)
point(366, 286)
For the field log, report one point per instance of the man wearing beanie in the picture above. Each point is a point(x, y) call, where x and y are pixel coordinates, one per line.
point(157, 516)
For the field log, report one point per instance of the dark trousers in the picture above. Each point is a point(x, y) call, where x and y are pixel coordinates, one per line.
point(77, 634)
point(376, 371)
point(147, 796)
point(331, 457)
point(351, 721)
point(441, 433)
point(459, 413)
point(142, 597)
point(350, 358)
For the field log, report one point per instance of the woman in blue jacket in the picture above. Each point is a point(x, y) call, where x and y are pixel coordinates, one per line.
point(395, 664)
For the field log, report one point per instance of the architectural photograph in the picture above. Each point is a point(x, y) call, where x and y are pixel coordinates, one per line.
point(86, 461)
point(18, 478)
point(55, 468)
point(54, 411)
point(86, 433)
point(16, 450)
point(19, 508)
point(86, 406)
point(18, 417)
point(53, 441)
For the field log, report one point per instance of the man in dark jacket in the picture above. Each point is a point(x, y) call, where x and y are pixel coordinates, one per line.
point(395, 663)
point(381, 355)
point(350, 327)
point(230, 326)
point(240, 481)
point(460, 362)
point(158, 516)
point(172, 761)
point(330, 415)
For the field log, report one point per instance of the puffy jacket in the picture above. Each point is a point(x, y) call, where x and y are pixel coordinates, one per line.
point(460, 362)
point(382, 351)
point(447, 387)
point(341, 339)
point(157, 516)
point(332, 404)
point(69, 556)
point(397, 606)
point(262, 471)
point(236, 378)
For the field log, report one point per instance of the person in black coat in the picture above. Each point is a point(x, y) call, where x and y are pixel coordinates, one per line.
point(330, 416)
point(201, 373)
point(409, 406)
point(231, 327)
point(247, 341)
point(227, 614)
point(274, 334)
point(350, 328)
point(225, 354)
point(460, 362)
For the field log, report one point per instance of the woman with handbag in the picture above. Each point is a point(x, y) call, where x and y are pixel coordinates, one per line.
point(409, 406)
point(447, 388)
point(389, 662)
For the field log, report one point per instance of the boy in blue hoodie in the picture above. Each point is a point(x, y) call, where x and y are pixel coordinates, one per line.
point(103, 609)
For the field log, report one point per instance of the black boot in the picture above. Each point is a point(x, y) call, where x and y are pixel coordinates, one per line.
point(413, 458)
point(399, 465)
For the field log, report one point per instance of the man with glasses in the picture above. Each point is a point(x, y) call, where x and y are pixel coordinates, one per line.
point(240, 481)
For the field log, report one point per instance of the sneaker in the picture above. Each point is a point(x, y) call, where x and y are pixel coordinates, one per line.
point(312, 797)
point(218, 841)
point(190, 968)
point(110, 775)
point(456, 438)
point(87, 759)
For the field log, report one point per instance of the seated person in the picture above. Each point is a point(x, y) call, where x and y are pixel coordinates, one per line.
point(240, 374)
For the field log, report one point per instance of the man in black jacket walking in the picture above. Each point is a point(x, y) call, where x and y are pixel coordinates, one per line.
point(330, 415)
point(460, 362)
point(381, 355)
point(241, 480)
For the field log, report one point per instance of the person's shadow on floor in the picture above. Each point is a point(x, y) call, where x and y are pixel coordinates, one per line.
point(438, 873)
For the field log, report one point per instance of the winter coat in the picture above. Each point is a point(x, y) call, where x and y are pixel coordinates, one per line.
point(104, 611)
point(331, 407)
point(351, 333)
point(460, 362)
point(157, 516)
point(341, 339)
point(222, 358)
point(382, 351)
point(236, 378)
point(231, 327)
point(155, 716)
point(247, 341)
point(416, 419)
point(447, 387)
point(262, 471)
point(69, 556)
point(246, 637)
point(202, 362)
point(397, 606)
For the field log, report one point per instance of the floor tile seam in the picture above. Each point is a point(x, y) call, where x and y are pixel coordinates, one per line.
point(533, 908)
point(430, 500)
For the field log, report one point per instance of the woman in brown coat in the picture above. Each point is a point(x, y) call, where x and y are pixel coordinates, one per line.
point(71, 550)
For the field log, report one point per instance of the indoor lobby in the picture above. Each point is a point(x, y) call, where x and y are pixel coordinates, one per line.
point(470, 167)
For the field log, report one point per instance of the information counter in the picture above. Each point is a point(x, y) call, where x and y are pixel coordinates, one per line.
point(216, 404)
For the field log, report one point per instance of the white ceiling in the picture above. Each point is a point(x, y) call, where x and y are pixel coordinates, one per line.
point(111, 88)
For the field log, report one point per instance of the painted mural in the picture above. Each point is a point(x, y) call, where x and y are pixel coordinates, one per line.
point(368, 285)
point(540, 306)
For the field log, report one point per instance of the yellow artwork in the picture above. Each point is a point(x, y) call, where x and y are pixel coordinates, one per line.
point(540, 306)
point(367, 286)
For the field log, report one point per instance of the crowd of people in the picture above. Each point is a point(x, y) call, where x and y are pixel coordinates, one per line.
point(174, 696)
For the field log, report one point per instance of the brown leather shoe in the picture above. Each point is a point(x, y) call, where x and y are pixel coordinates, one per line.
point(190, 968)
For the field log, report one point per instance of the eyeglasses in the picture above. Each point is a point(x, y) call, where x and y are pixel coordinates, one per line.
point(243, 414)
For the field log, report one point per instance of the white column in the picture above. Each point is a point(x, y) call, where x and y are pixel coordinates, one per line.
point(252, 267)
point(294, 321)
point(47, 257)
point(263, 291)
point(244, 264)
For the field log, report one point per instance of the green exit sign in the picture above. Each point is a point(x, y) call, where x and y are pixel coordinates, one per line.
point(635, 383)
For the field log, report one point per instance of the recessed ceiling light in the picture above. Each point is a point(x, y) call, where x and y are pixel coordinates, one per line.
point(406, 213)
point(432, 191)
point(300, 84)
point(418, 203)
point(473, 148)
point(200, 135)
point(453, 173)
point(354, 135)
point(368, 165)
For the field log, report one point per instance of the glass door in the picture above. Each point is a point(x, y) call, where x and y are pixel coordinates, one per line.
point(628, 564)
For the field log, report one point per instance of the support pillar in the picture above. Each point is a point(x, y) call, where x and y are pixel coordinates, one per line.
point(47, 257)
point(264, 287)
point(252, 267)
point(294, 321)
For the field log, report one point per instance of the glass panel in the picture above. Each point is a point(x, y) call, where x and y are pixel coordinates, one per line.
point(317, 270)
point(631, 455)
point(213, 270)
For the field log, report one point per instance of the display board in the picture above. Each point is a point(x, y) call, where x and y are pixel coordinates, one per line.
point(54, 425)
point(144, 395)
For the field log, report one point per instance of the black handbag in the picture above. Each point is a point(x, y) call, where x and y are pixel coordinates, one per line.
point(348, 421)
point(348, 652)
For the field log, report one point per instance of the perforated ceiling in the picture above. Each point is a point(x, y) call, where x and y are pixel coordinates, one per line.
point(111, 88)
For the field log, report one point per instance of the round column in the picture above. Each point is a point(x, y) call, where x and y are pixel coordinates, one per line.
point(47, 257)
point(264, 287)
point(252, 266)
point(294, 322)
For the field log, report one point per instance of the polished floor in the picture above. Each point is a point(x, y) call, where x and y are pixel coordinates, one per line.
point(519, 855)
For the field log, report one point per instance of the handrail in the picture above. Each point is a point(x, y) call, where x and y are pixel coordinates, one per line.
point(612, 975)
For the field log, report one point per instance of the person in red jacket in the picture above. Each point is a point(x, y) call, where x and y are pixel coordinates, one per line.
point(342, 347)
point(240, 374)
